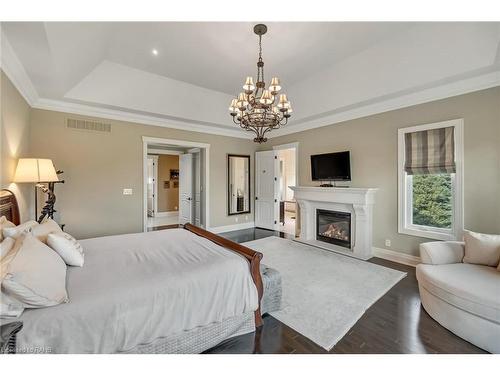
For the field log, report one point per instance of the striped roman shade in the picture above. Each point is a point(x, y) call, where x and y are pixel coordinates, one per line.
point(430, 151)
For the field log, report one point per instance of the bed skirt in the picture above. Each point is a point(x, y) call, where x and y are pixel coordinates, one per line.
point(199, 339)
point(203, 338)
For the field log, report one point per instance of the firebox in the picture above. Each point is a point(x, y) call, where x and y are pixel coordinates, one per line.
point(334, 227)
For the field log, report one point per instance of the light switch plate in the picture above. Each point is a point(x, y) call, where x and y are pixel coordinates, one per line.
point(388, 243)
point(127, 191)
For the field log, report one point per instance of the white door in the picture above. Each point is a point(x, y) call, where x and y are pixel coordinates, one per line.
point(197, 188)
point(266, 203)
point(185, 188)
point(152, 185)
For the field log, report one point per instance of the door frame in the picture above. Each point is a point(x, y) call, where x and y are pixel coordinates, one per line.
point(295, 146)
point(206, 173)
point(182, 187)
point(287, 146)
point(275, 225)
point(155, 185)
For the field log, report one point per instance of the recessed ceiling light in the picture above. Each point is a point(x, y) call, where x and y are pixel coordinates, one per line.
point(154, 52)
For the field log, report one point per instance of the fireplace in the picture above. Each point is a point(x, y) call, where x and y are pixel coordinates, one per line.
point(333, 227)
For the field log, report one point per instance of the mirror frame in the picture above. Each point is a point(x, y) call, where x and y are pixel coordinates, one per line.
point(249, 186)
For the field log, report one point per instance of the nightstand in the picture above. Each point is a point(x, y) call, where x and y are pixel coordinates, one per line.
point(8, 335)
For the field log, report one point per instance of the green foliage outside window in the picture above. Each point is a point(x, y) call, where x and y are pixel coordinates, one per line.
point(432, 200)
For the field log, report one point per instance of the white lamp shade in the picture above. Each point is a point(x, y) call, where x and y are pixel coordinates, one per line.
point(35, 170)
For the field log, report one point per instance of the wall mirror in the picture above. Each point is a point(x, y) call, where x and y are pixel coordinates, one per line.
point(238, 184)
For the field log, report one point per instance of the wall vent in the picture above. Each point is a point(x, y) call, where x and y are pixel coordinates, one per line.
point(96, 126)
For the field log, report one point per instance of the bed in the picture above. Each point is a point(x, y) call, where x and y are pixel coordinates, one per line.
point(181, 290)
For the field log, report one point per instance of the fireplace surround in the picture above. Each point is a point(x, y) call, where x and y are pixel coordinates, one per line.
point(355, 202)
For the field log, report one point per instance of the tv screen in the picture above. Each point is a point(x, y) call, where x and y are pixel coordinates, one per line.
point(331, 167)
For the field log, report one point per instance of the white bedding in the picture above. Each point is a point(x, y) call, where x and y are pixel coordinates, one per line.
point(135, 288)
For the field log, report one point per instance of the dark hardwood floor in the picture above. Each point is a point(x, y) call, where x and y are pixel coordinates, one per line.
point(396, 323)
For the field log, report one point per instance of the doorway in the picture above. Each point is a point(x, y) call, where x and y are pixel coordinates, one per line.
point(275, 172)
point(175, 183)
point(287, 176)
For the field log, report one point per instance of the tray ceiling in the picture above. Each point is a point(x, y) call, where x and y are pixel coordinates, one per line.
point(329, 70)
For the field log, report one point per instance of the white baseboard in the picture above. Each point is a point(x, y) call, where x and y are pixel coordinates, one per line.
point(228, 228)
point(396, 256)
point(167, 213)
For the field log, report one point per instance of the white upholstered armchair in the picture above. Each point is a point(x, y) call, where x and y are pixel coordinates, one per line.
point(462, 297)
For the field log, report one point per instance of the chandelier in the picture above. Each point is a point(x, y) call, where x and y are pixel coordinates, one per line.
point(259, 109)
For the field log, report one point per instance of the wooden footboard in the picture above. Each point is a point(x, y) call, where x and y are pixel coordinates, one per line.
point(253, 257)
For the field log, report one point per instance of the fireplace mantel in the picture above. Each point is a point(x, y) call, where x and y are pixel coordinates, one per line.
point(356, 201)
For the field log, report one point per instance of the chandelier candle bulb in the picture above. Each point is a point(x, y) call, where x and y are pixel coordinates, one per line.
point(234, 106)
point(242, 100)
point(266, 97)
point(249, 86)
point(275, 86)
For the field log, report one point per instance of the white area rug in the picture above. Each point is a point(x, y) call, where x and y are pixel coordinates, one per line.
point(324, 293)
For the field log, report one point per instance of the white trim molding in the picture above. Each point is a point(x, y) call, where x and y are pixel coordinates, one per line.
point(14, 69)
point(127, 116)
point(16, 72)
point(154, 151)
point(404, 225)
point(155, 185)
point(447, 90)
point(396, 256)
point(167, 214)
point(206, 170)
point(229, 228)
point(287, 146)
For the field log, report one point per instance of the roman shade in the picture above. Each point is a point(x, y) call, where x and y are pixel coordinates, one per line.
point(430, 151)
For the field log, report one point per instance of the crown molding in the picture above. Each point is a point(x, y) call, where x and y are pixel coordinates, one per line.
point(126, 116)
point(480, 82)
point(13, 68)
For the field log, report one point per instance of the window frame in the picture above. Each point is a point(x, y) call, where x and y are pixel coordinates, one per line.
point(405, 194)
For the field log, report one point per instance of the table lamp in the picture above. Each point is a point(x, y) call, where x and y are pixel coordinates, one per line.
point(35, 171)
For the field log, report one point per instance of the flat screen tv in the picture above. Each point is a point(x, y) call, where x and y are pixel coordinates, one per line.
point(331, 167)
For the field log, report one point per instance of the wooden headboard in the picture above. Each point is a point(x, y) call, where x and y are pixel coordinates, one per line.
point(8, 206)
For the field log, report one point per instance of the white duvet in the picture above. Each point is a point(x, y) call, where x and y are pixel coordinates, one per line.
point(136, 288)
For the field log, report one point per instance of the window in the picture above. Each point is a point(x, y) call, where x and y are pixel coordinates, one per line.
point(430, 180)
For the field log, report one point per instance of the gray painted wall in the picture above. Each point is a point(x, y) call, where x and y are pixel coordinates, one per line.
point(15, 138)
point(373, 144)
point(97, 166)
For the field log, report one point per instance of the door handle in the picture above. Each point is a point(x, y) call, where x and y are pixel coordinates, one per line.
point(188, 198)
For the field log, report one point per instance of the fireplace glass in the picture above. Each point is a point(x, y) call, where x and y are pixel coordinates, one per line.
point(334, 227)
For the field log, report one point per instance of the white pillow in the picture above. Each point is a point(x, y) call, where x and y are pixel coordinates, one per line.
point(36, 276)
point(10, 307)
point(42, 230)
point(67, 247)
point(4, 223)
point(5, 246)
point(15, 232)
point(482, 248)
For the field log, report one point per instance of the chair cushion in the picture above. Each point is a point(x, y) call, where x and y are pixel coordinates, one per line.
point(470, 287)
